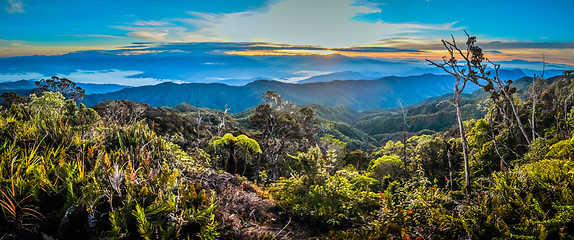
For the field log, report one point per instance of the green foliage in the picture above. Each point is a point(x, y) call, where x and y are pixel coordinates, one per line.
point(562, 150)
point(384, 166)
point(334, 148)
point(144, 227)
point(484, 159)
point(537, 151)
point(530, 202)
point(65, 175)
point(390, 148)
point(341, 200)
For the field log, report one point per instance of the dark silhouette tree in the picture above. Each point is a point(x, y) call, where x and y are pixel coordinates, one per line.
point(62, 85)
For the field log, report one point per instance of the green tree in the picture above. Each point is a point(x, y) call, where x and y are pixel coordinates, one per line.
point(284, 129)
point(386, 166)
point(238, 148)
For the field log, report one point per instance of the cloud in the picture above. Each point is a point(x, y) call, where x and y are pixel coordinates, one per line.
point(524, 64)
point(11, 43)
point(494, 51)
point(486, 45)
point(261, 47)
point(373, 49)
point(153, 36)
point(526, 44)
point(10, 77)
point(113, 76)
point(91, 35)
point(150, 23)
point(15, 6)
point(324, 23)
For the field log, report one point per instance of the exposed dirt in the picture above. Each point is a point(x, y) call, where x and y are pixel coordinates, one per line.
point(246, 212)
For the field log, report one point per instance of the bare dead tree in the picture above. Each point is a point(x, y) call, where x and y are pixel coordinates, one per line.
point(534, 92)
point(221, 125)
point(122, 112)
point(199, 117)
point(469, 68)
point(405, 128)
point(471, 65)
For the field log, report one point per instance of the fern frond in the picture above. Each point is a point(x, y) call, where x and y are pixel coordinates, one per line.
point(144, 226)
point(561, 150)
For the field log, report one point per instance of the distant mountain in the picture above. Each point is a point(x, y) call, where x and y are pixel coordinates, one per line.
point(22, 84)
point(548, 73)
point(511, 74)
point(355, 94)
point(90, 88)
point(346, 75)
point(239, 82)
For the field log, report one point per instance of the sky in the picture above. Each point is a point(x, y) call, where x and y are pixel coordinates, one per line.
point(403, 31)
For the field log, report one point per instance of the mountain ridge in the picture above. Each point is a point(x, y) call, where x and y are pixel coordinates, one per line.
point(356, 94)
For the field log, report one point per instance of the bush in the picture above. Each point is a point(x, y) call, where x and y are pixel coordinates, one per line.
point(341, 200)
point(386, 166)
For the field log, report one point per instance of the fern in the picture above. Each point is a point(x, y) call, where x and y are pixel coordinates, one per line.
point(209, 231)
point(144, 226)
point(561, 150)
point(249, 143)
point(157, 207)
point(118, 224)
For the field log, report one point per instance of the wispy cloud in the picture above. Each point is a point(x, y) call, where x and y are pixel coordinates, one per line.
point(374, 49)
point(113, 76)
point(325, 23)
point(529, 44)
point(258, 48)
point(15, 6)
point(91, 35)
point(486, 45)
point(11, 43)
point(322, 23)
point(153, 36)
point(150, 23)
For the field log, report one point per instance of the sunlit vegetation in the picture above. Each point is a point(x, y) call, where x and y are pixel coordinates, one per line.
point(125, 170)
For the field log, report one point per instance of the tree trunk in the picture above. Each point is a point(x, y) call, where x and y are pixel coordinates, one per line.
point(502, 162)
point(258, 167)
point(532, 118)
point(516, 115)
point(463, 141)
point(232, 162)
point(448, 157)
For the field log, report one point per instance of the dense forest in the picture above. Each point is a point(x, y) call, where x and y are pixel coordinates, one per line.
point(497, 165)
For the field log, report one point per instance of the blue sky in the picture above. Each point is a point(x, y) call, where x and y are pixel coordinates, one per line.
point(378, 29)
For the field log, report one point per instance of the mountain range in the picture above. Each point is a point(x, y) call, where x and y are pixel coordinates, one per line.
point(387, 92)
point(357, 95)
